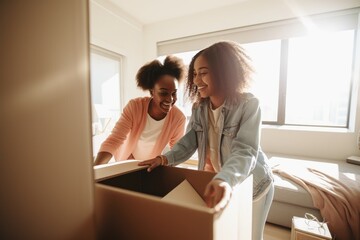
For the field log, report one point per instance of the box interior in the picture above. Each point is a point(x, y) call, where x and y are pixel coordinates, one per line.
point(160, 181)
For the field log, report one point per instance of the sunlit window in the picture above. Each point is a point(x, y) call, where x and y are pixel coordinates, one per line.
point(265, 58)
point(105, 67)
point(303, 72)
point(319, 79)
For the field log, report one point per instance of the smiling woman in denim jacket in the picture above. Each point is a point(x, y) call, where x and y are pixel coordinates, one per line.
point(225, 128)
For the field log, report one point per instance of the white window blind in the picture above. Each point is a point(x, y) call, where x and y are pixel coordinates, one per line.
point(335, 21)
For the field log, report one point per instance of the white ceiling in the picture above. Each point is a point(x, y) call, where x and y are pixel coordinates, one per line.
point(151, 11)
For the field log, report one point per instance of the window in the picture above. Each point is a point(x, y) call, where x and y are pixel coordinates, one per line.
point(106, 97)
point(319, 73)
point(266, 59)
point(304, 67)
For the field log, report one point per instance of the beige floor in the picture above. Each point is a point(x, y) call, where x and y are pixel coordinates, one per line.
point(275, 232)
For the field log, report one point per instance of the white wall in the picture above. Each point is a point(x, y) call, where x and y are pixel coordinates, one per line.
point(46, 175)
point(336, 145)
point(112, 29)
point(244, 14)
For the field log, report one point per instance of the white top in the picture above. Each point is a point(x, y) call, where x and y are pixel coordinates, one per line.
point(212, 150)
point(148, 138)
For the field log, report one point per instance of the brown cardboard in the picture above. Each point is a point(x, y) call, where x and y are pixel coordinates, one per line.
point(129, 205)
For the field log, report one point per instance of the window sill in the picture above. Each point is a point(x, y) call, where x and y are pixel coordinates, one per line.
point(189, 164)
point(306, 128)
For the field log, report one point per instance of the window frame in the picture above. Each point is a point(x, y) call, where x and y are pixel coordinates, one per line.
point(349, 19)
point(117, 57)
point(97, 139)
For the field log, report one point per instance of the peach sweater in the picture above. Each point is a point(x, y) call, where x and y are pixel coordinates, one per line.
point(124, 136)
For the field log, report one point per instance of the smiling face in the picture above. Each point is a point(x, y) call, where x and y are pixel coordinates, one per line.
point(164, 97)
point(202, 77)
point(204, 80)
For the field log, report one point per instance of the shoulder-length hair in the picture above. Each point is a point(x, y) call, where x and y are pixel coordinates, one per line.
point(230, 68)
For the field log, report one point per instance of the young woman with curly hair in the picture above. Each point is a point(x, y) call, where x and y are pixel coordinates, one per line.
point(148, 124)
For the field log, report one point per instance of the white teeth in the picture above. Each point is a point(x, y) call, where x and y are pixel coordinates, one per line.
point(166, 106)
point(201, 87)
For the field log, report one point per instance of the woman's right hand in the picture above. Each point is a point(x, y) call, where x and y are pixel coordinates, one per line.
point(152, 163)
point(102, 158)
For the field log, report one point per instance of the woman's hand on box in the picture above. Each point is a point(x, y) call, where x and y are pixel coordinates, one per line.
point(152, 163)
point(217, 194)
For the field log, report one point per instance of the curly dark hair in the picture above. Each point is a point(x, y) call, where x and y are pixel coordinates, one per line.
point(149, 73)
point(230, 67)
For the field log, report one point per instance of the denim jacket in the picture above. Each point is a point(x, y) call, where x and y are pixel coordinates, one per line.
point(240, 152)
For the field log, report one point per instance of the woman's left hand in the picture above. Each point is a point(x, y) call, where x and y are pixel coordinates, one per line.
point(217, 194)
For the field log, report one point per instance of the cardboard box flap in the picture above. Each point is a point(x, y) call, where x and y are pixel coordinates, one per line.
point(184, 193)
point(105, 171)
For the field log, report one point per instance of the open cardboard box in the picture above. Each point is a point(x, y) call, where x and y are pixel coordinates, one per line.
point(131, 203)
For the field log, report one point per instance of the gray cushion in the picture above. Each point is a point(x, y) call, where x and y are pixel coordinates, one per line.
point(289, 192)
point(281, 213)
